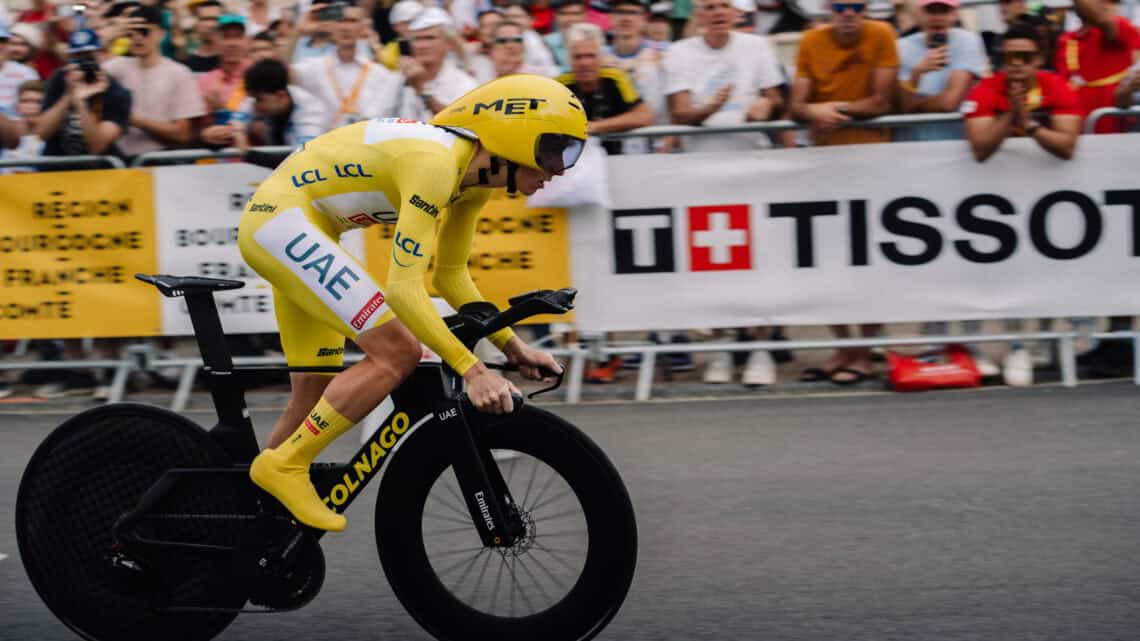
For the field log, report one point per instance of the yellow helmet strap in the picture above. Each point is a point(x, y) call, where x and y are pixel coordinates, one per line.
point(512, 186)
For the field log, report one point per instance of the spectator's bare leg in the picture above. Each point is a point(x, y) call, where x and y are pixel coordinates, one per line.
point(306, 389)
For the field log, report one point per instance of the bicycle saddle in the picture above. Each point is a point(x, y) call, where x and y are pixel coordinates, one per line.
point(174, 286)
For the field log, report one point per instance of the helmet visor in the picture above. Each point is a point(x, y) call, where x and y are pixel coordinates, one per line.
point(557, 152)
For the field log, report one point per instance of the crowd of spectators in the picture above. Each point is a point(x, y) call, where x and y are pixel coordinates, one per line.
point(129, 77)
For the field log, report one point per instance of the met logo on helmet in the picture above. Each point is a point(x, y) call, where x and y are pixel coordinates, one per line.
point(509, 106)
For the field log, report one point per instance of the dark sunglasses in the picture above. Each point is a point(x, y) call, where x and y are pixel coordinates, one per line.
point(140, 31)
point(842, 7)
point(1018, 57)
point(628, 12)
point(503, 41)
point(938, 9)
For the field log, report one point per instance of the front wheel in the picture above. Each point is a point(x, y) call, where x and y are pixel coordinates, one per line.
point(563, 581)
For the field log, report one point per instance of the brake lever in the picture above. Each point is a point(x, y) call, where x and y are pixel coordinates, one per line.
point(546, 373)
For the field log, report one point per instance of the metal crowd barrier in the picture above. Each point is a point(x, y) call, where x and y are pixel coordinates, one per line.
point(141, 358)
point(1097, 114)
point(881, 122)
point(176, 156)
point(82, 162)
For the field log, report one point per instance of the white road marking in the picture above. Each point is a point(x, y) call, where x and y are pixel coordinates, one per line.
point(3, 556)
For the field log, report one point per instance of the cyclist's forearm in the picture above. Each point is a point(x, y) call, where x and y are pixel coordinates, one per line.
point(452, 277)
point(410, 301)
point(458, 289)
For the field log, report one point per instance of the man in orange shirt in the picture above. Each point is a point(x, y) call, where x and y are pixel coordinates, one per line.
point(845, 70)
point(1096, 57)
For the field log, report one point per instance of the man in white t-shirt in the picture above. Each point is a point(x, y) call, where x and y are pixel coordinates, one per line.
point(432, 80)
point(350, 87)
point(722, 78)
point(164, 94)
point(12, 75)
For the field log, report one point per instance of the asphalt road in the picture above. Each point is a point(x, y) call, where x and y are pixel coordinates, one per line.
point(997, 515)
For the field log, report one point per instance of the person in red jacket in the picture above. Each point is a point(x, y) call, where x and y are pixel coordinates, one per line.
point(1022, 100)
point(1096, 57)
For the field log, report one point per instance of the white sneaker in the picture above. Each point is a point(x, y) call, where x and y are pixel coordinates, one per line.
point(986, 367)
point(760, 369)
point(719, 369)
point(1017, 368)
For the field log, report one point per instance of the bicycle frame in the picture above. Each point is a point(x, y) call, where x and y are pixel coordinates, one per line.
point(416, 407)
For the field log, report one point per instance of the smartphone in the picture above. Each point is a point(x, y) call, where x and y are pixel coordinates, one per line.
point(936, 40)
point(331, 13)
point(89, 68)
point(405, 47)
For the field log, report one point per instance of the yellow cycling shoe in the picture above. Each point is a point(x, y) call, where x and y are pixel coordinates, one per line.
point(290, 484)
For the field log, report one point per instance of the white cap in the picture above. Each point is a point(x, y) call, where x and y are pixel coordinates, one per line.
point(431, 17)
point(29, 32)
point(404, 10)
point(747, 6)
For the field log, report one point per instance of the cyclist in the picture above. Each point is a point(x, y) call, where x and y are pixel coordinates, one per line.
point(431, 180)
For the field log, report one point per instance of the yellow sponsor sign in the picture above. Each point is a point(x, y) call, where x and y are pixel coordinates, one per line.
point(516, 250)
point(69, 248)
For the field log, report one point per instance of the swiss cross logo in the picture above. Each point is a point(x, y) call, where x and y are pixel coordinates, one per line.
point(720, 238)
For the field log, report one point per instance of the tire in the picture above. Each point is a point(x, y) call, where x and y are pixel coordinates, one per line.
point(593, 597)
point(81, 479)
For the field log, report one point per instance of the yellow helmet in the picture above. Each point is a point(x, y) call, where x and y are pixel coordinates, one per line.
point(529, 120)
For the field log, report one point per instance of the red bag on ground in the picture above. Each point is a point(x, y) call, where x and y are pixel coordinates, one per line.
point(954, 368)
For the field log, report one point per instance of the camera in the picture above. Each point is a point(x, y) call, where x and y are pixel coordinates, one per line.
point(405, 47)
point(89, 68)
point(936, 40)
point(332, 13)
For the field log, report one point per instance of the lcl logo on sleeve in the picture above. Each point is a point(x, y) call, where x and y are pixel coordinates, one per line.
point(719, 238)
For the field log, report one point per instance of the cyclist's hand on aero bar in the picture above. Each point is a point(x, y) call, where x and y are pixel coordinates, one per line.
point(534, 364)
point(489, 392)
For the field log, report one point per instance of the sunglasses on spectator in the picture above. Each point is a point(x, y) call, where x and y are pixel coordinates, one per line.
point(504, 41)
point(1018, 57)
point(842, 7)
point(142, 32)
point(628, 12)
point(1008, 1)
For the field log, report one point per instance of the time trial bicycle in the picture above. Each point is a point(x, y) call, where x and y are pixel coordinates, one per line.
point(136, 524)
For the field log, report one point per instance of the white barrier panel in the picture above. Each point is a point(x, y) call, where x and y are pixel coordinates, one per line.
point(871, 233)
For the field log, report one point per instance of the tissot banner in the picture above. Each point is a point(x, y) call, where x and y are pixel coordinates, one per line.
point(871, 233)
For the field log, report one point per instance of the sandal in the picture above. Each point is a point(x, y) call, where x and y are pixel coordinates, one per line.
point(858, 376)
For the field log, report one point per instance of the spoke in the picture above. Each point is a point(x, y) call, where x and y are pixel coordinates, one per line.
point(550, 574)
point(566, 550)
point(498, 580)
point(563, 562)
point(530, 483)
point(536, 582)
point(463, 551)
point(479, 581)
point(467, 528)
point(511, 472)
point(550, 500)
point(522, 593)
point(449, 519)
point(546, 486)
point(454, 492)
point(463, 577)
point(449, 505)
point(554, 535)
point(511, 590)
point(558, 516)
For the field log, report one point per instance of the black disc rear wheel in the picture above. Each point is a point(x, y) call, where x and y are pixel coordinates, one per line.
point(90, 471)
point(565, 579)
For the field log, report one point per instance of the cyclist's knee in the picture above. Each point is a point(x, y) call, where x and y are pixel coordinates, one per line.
point(392, 345)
